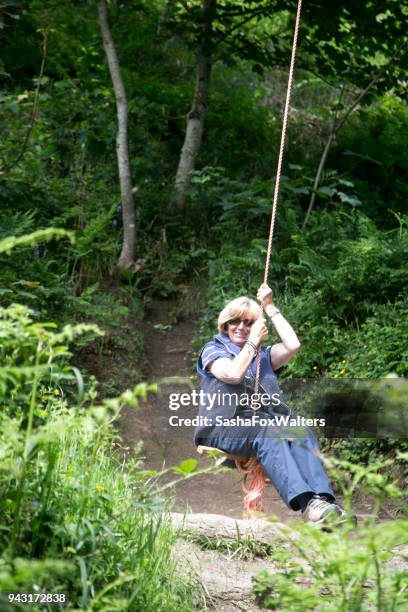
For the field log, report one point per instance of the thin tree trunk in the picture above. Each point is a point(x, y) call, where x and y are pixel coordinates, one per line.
point(336, 127)
point(126, 259)
point(195, 118)
point(319, 175)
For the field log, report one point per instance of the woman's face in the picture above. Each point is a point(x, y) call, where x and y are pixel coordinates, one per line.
point(239, 329)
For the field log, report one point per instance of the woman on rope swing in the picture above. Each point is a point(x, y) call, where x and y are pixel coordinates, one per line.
point(227, 368)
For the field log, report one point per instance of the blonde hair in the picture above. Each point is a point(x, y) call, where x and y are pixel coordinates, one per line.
point(238, 308)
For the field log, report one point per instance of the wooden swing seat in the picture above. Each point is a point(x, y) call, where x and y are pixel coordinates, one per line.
point(207, 450)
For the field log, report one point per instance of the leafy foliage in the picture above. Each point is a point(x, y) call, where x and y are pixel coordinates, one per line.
point(342, 283)
point(346, 569)
point(74, 518)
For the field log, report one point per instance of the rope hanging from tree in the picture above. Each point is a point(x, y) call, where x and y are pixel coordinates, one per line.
point(254, 492)
point(279, 167)
point(250, 466)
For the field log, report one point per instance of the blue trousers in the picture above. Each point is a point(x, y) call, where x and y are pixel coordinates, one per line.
point(292, 465)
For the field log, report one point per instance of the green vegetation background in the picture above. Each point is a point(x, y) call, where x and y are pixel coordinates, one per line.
point(342, 282)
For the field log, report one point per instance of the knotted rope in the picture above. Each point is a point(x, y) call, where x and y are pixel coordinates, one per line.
point(254, 492)
point(250, 466)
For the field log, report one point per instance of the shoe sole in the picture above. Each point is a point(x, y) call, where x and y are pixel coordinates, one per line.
point(333, 524)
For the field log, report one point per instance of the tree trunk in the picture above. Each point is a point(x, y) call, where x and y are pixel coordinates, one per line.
point(126, 259)
point(195, 118)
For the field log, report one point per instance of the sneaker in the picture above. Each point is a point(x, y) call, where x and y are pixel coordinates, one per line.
point(343, 516)
point(318, 510)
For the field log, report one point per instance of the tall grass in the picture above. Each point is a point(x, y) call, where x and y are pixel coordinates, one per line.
point(74, 517)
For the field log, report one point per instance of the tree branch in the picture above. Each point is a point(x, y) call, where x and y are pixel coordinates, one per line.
point(336, 127)
point(248, 11)
point(241, 23)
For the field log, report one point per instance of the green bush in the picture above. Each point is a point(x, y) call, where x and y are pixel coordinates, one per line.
point(344, 568)
point(369, 149)
point(75, 518)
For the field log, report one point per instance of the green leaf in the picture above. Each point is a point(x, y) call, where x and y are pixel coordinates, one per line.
point(186, 467)
point(326, 192)
point(346, 199)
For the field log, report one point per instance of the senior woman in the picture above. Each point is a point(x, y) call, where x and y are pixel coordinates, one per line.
point(227, 369)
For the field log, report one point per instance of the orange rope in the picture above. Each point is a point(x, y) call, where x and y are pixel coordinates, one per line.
point(253, 493)
point(279, 168)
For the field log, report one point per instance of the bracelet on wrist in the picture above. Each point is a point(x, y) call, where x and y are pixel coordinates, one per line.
point(252, 345)
point(275, 311)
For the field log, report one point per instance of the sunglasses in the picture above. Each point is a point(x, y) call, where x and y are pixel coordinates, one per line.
point(237, 321)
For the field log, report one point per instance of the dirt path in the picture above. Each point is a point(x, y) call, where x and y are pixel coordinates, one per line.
point(168, 347)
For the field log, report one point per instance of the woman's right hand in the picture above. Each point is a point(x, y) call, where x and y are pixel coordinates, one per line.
point(259, 331)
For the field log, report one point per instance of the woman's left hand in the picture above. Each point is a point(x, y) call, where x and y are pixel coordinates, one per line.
point(265, 295)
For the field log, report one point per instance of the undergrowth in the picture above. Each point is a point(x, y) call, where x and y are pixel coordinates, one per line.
point(346, 568)
point(76, 518)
